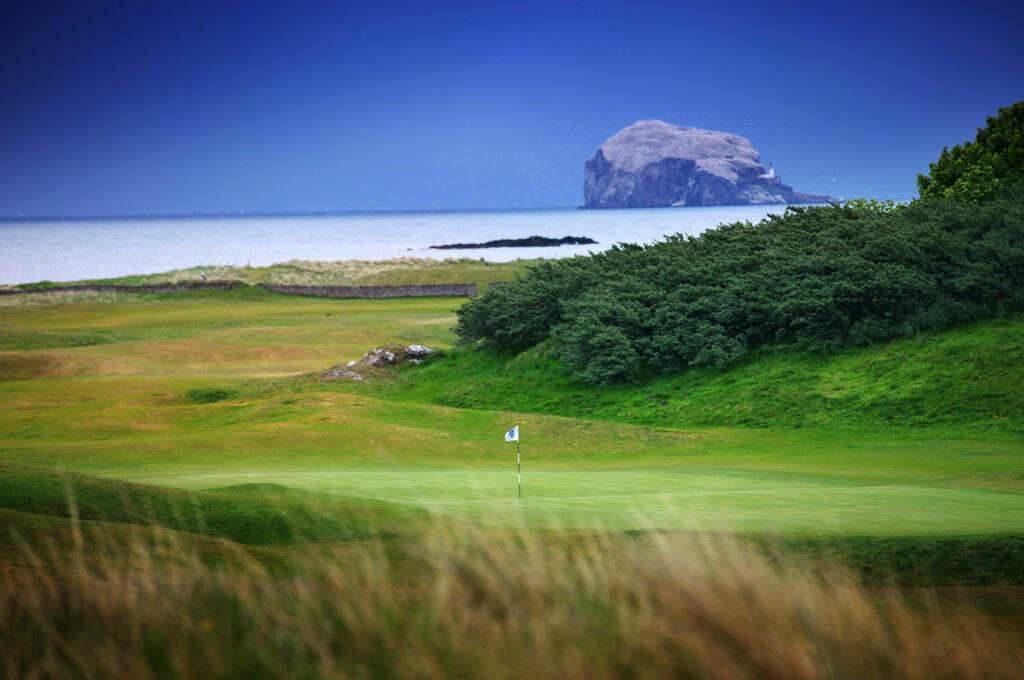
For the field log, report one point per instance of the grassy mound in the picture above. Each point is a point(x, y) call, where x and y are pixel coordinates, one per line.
point(967, 378)
point(252, 515)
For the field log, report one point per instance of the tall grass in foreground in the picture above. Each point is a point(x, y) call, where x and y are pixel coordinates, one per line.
point(462, 602)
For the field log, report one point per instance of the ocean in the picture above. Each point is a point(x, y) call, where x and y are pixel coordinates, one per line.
point(76, 249)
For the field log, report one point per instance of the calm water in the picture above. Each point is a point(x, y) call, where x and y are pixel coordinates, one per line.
point(69, 250)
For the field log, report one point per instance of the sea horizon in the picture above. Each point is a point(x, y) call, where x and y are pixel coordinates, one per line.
point(285, 213)
point(75, 248)
point(375, 211)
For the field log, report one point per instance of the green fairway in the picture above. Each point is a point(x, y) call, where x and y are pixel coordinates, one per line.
point(245, 333)
point(200, 391)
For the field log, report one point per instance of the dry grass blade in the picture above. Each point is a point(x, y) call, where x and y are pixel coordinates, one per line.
point(462, 601)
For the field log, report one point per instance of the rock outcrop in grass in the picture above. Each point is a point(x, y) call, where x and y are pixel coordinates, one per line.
point(381, 357)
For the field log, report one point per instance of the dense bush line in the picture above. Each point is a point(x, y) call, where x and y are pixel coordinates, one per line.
point(817, 278)
point(978, 170)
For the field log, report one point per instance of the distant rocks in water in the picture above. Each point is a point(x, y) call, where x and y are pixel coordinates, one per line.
point(529, 242)
point(652, 164)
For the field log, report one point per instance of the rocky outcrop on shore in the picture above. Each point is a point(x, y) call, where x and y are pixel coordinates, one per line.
point(653, 164)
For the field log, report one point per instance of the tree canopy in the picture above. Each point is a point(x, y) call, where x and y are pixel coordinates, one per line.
point(817, 278)
point(978, 170)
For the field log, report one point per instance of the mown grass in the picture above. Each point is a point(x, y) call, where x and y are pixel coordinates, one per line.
point(578, 472)
point(819, 459)
point(247, 332)
point(39, 505)
point(20, 337)
point(280, 523)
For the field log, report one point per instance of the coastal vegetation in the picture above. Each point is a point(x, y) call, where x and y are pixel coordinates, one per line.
point(979, 170)
point(189, 391)
point(821, 477)
point(818, 279)
point(395, 272)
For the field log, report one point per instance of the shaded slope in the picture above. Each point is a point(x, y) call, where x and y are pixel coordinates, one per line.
point(250, 514)
point(967, 378)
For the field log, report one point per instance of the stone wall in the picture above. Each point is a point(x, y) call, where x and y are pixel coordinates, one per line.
point(432, 290)
point(155, 288)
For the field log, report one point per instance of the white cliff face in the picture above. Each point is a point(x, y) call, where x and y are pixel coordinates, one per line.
point(649, 141)
point(654, 164)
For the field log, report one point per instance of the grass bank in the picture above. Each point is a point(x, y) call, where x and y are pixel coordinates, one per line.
point(394, 272)
point(964, 379)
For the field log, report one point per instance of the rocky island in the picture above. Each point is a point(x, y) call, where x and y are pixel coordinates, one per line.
point(652, 164)
point(528, 242)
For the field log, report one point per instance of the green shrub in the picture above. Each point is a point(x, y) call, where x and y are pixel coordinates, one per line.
point(979, 170)
point(819, 278)
point(209, 395)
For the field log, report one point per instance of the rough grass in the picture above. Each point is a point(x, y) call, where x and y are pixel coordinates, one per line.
point(246, 332)
point(248, 514)
point(471, 603)
point(394, 272)
point(65, 298)
point(964, 378)
point(38, 505)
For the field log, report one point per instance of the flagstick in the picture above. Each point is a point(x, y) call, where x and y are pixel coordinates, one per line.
point(519, 471)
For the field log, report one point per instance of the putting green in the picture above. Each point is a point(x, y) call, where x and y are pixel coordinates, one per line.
point(663, 498)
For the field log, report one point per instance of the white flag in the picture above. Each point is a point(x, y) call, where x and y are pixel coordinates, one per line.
point(512, 435)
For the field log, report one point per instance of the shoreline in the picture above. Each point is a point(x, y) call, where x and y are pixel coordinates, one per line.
point(97, 250)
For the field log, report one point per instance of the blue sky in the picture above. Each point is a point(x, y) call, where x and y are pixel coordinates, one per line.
point(219, 107)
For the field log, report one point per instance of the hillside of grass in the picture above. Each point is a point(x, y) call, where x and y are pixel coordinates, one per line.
point(216, 400)
point(394, 272)
point(251, 514)
point(965, 379)
point(220, 388)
